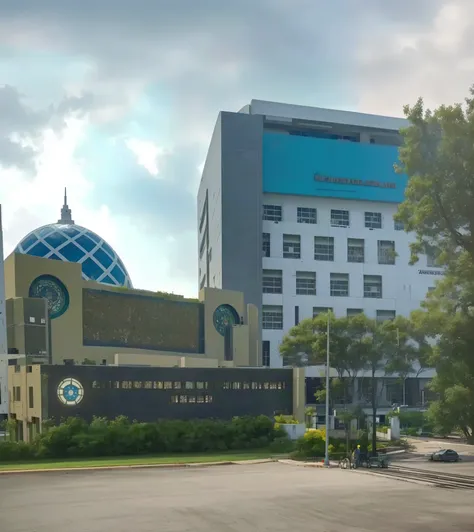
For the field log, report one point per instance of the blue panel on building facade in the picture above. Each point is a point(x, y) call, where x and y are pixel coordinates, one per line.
point(307, 166)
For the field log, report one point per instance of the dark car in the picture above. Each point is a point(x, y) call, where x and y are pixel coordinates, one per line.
point(445, 455)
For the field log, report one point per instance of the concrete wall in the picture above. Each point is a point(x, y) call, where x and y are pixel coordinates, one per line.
point(213, 340)
point(299, 394)
point(209, 215)
point(27, 408)
point(255, 343)
point(28, 326)
point(232, 183)
point(242, 204)
point(152, 393)
point(165, 360)
point(3, 323)
point(66, 330)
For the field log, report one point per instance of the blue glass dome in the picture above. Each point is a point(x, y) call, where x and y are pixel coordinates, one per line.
point(69, 242)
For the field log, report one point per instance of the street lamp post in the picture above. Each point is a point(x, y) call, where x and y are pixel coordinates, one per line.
point(404, 399)
point(326, 449)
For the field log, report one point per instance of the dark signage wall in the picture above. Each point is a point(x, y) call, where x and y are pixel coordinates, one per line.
point(149, 394)
point(145, 322)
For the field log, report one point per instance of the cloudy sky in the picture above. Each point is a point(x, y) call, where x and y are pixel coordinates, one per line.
point(117, 99)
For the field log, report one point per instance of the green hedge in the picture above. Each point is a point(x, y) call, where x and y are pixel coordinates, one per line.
point(74, 438)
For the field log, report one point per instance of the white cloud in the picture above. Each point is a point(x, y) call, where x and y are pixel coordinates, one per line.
point(147, 154)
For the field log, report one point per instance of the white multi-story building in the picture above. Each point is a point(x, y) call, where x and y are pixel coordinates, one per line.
point(295, 209)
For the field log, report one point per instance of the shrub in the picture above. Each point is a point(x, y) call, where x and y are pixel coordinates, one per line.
point(75, 438)
point(411, 431)
point(282, 445)
point(311, 445)
point(15, 451)
point(286, 420)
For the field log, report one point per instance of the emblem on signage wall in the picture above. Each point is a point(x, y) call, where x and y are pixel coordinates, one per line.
point(70, 392)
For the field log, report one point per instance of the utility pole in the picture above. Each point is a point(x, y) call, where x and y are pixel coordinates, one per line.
point(326, 450)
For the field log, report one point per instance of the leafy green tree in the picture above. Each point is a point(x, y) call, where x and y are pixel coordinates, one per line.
point(448, 320)
point(306, 345)
point(438, 158)
point(357, 344)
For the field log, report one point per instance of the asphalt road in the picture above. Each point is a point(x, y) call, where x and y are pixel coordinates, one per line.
point(266, 497)
point(429, 445)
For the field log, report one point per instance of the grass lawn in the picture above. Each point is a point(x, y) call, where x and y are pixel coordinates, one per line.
point(231, 456)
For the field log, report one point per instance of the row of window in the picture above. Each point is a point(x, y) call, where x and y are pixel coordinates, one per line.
point(151, 385)
point(272, 318)
point(272, 283)
point(201, 399)
point(339, 217)
point(187, 385)
point(324, 249)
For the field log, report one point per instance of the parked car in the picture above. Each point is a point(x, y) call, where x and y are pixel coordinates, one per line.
point(445, 455)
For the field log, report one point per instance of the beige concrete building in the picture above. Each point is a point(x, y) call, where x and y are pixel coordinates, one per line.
point(52, 312)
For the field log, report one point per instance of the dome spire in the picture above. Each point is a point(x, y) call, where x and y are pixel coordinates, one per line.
point(66, 212)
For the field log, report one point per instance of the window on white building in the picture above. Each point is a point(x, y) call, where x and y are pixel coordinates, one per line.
point(291, 246)
point(321, 310)
point(373, 220)
point(202, 246)
point(386, 251)
point(339, 218)
point(431, 257)
point(265, 353)
point(354, 312)
point(373, 286)
point(398, 226)
point(272, 317)
point(384, 315)
point(306, 215)
point(272, 281)
point(355, 250)
point(324, 248)
point(339, 284)
point(306, 283)
point(266, 244)
point(394, 393)
point(272, 213)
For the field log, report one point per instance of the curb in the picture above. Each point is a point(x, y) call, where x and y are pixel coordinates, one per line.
point(307, 464)
point(178, 465)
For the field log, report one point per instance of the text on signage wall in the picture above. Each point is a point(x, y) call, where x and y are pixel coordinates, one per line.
point(357, 182)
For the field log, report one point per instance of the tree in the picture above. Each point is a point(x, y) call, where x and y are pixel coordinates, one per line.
point(438, 157)
point(384, 348)
point(357, 344)
point(449, 323)
point(306, 345)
